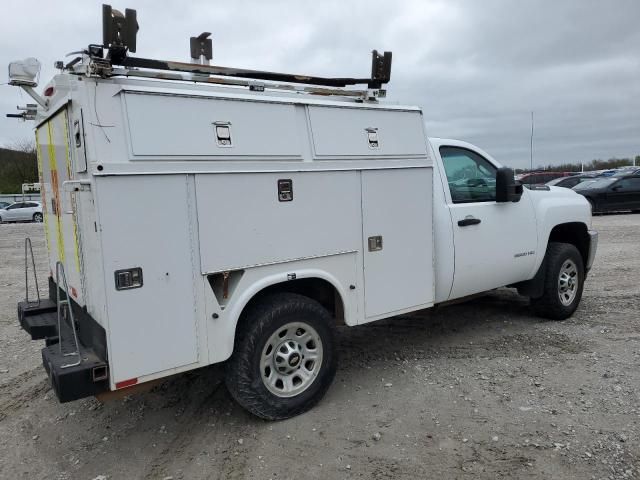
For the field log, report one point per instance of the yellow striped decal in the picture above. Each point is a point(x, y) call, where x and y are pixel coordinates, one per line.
point(55, 189)
point(43, 194)
point(73, 198)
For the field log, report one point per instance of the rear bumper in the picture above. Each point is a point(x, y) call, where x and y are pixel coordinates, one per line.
point(593, 246)
point(70, 382)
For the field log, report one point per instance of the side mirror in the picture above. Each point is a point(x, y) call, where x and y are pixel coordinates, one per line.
point(507, 189)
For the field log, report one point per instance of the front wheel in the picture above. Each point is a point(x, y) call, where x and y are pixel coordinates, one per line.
point(284, 357)
point(37, 217)
point(563, 282)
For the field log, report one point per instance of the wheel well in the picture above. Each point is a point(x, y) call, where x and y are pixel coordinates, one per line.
point(315, 288)
point(574, 233)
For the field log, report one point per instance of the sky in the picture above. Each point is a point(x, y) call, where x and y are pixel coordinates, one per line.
point(476, 68)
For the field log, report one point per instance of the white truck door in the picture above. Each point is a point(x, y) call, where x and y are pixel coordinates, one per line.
point(494, 242)
point(398, 240)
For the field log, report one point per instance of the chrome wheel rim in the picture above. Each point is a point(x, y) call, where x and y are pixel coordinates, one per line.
point(568, 282)
point(291, 359)
point(37, 218)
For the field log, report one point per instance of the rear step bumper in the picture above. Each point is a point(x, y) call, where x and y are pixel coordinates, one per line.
point(90, 377)
point(71, 383)
point(39, 321)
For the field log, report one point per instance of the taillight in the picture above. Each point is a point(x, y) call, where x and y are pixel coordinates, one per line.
point(48, 92)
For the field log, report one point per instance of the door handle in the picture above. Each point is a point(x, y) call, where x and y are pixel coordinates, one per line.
point(469, 221)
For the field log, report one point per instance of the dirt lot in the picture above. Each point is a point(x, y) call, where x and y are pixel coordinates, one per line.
point(478, 390)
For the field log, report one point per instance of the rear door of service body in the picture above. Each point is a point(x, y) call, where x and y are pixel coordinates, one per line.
point(59, 207)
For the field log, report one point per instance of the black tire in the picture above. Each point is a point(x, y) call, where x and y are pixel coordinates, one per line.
point(37, 217)
point(549, 305)
point(258, 325)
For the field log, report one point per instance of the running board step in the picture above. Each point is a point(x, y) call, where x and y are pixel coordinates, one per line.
point(26, 309)
point(41, 325)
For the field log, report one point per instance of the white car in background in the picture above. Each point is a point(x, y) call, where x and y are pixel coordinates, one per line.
point(22, 212)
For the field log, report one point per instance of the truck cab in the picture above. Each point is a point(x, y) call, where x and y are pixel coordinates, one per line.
point(482, 244)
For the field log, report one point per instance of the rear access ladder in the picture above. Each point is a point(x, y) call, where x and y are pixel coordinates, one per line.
point(86, 373)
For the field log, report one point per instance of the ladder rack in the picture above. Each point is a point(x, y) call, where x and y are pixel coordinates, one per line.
point(119, 38)
point(380, 71)
point(253, 85)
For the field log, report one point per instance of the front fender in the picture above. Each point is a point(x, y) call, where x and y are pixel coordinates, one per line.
point(554, 207)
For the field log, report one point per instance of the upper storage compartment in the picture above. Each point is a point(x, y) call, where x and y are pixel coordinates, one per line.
point(163, 125)
point(365, 132)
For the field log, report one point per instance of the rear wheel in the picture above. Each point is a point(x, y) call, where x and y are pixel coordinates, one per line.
point(563, 283)
point(284, 357)
point(37, 217)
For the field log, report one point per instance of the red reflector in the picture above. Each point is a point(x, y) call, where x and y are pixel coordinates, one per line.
point(74, 292)
point(126, 383)
point(48, 92)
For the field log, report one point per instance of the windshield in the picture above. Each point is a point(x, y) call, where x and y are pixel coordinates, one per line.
point(599, 183)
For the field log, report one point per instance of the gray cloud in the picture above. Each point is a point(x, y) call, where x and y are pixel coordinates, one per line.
point(477, 68)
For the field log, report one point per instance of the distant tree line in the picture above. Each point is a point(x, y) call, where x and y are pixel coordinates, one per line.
point(18, 165)
point(592, 165)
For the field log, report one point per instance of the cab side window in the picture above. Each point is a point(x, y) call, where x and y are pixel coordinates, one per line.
point(471, 177)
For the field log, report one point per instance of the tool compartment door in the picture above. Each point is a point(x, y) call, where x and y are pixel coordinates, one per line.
point(344, 132)
point(145, 223)
point(165, 126)
point(397, 240)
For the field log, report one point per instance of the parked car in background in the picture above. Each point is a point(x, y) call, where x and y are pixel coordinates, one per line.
point(22, 212)
point(607, 194)
point(540, 178)
point(569, 182)
point(627, 171)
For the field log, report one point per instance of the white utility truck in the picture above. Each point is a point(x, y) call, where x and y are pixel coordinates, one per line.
point(197, 214)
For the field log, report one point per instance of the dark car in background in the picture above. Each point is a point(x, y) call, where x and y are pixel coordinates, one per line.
point(540, 178)
point(608, 194)
point(570, 182)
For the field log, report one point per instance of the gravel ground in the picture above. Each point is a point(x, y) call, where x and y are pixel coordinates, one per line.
point(477, 390)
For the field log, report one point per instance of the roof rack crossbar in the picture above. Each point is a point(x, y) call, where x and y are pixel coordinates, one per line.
point(239, 82)
point(381, 71)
